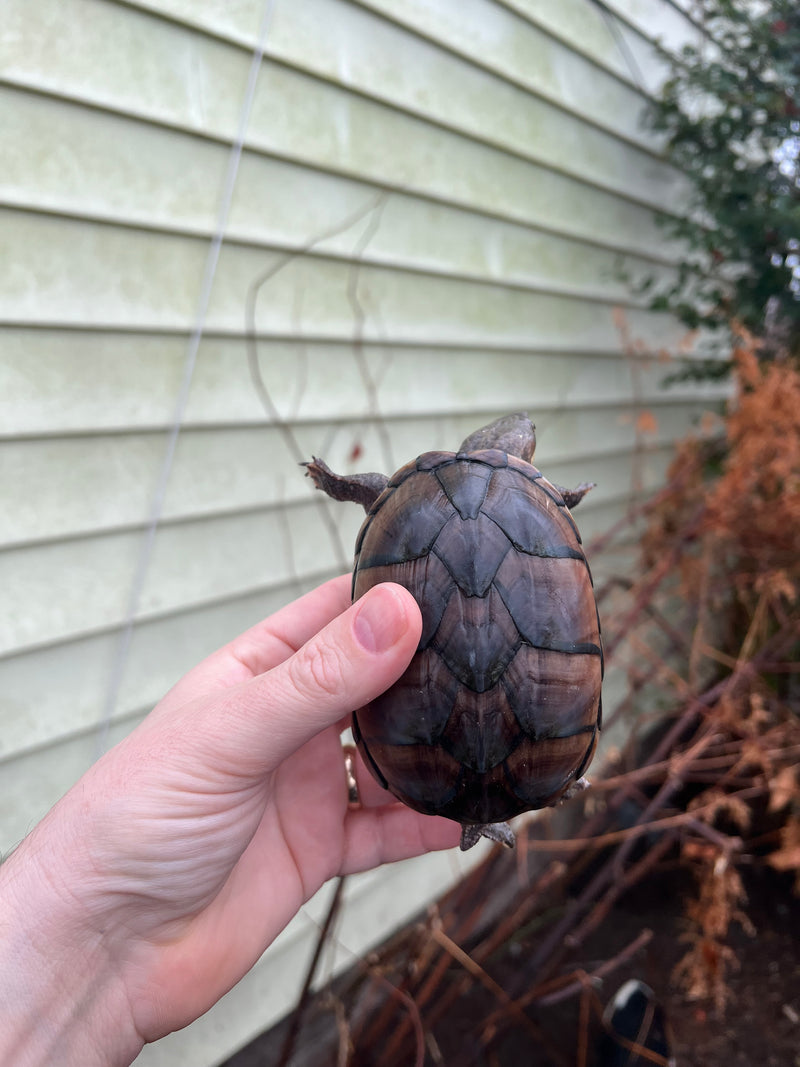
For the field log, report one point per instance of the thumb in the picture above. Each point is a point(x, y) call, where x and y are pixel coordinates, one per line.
point(354, 659)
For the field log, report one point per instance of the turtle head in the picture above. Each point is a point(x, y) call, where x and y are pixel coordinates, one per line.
point(514, 434)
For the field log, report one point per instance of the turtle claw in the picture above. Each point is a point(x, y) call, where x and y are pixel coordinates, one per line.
point(471, 833)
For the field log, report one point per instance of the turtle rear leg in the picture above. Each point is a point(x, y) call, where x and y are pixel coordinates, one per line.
point(573, 497)
point(578, 786)
point(471, 833)
point(363, 489)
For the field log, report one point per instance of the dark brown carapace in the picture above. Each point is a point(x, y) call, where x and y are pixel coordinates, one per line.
point(499, 710)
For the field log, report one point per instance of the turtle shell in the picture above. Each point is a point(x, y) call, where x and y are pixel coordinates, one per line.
point(499, 710)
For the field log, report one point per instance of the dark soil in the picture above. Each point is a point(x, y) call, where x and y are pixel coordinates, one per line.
point(761, 1022)
point(760, 1025)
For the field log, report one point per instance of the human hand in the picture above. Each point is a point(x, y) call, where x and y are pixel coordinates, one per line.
point(161, 877)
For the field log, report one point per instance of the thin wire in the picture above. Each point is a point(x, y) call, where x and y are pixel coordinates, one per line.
point(610, 19)
point(145, 554)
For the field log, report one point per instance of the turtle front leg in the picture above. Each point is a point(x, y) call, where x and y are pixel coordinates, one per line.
point(471, 833)
point(363, 489)
point(573, 497)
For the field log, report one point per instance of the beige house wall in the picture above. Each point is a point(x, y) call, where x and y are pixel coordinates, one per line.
point(432, 207)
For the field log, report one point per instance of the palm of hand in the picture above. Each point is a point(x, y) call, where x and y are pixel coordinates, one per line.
point(227, 809)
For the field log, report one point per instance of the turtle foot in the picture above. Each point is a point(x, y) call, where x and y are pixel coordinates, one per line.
point(573, 497)
point(574, 789)
point(471, 833)
point(361, 489)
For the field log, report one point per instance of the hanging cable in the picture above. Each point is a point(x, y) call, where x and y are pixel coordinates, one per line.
point(155, 511)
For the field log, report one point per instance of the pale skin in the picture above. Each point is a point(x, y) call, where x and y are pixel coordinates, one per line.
point(156, 883)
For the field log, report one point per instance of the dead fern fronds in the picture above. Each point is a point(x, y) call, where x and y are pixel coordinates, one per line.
point(702, 972)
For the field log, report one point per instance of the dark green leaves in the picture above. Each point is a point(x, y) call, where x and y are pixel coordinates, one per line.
point(730, 113)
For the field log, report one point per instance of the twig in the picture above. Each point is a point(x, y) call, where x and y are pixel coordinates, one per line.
point(297, 1018)
point(622, 957)
point(253, 362)
point(413, 1014)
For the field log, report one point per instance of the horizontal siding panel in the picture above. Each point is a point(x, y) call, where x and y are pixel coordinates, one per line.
point(469, 176)
point(66, 488)
point(196, 82)
point(493, 36)
point(67, 272)
point(619, 34)
point(106, 164)
point(363, 46)
point(192, 563)
point(674, 27)
point(113, 56)
point(615, 45)
point(131, 171)
point(162, 650)
point(135, 377)
point(134, 381)
point(79, 485)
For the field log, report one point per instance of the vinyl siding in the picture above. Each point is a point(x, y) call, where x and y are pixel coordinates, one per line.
point(431, 214)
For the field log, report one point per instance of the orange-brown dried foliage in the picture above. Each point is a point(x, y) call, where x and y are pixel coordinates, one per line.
point(739, 495)
point(720, 900)
point(755, 505)
point(730, 517)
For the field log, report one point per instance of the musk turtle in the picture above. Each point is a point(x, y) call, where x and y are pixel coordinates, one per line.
point(499, 711)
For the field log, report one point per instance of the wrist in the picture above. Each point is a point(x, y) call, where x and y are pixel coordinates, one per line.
point(61, 1000)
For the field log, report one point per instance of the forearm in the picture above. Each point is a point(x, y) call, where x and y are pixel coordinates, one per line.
point(61, 1000)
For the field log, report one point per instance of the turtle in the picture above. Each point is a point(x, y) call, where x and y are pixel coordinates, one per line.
point(500, 708)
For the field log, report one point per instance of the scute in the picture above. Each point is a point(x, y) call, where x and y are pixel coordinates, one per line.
point(476, 639)
point(465, 485)
point(428, 573)
point(539, 772)
point(423, 776)
point(498, 711)
point(482, 729)
point(553, 694)
point(416, 709)
point(394, 538)
point(551, 601)
point(530, 518)
point(472, 552)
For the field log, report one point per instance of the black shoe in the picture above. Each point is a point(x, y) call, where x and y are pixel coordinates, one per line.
point(633, 1021)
